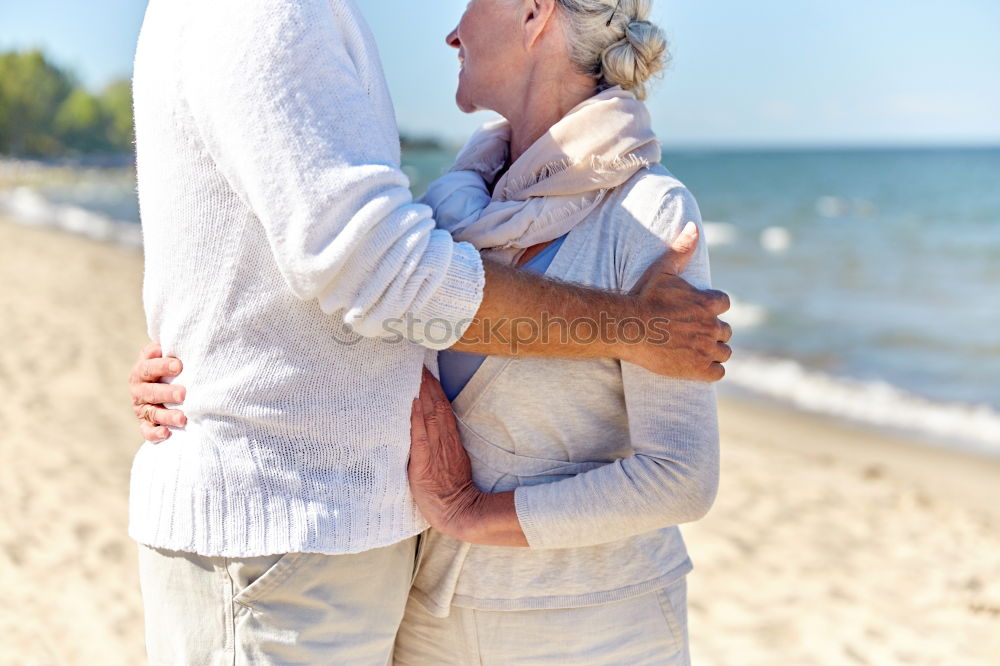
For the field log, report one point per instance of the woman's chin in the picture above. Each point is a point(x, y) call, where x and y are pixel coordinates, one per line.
point(464, 105)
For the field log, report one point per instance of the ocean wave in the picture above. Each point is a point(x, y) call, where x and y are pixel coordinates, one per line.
point(873, 402)
point(720, 233)
point(744, 315)
point(28, 206)
point(776, 240)
point(831, 206)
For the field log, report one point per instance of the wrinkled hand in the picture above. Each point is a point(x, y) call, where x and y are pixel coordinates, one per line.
point(439, 469)
point(149, 395)
point(697, 347)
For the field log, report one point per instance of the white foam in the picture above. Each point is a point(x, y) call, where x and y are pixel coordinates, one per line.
point(27, 206)
point(834, 206)
point(744, 315)
point(720, 233)
point(776, 240)
point(873, 402)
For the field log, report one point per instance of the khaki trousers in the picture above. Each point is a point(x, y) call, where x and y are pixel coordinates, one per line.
point(298, 608)
point(648, 630)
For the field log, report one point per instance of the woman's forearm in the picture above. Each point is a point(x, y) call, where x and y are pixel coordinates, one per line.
point(492, 521)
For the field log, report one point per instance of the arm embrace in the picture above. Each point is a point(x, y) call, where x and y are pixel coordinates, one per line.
point(671, 477)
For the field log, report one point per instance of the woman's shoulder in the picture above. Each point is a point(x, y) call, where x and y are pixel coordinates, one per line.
point(653, 200)
point(639, 220)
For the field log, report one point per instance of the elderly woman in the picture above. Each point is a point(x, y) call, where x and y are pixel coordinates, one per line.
point(588, 466)
point(583, 469)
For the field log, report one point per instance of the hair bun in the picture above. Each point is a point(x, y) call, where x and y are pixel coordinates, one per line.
point(636, 58)
point(614, 41)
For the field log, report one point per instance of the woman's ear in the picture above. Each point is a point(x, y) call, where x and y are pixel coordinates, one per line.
point(538, 16)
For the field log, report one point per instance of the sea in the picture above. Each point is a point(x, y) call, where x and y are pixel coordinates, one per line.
point(865, 282)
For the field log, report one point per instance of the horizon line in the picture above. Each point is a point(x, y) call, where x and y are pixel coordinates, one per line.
point(771, 145)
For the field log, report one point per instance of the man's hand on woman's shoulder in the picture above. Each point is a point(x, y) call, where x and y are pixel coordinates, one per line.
point(689, 341)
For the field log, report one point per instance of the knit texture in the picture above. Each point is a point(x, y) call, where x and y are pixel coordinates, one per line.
point(281, 244)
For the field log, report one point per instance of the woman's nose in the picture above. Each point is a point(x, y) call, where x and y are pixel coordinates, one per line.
point(452, 39)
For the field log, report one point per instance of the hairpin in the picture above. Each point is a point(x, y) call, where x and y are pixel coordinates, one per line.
point(612, 17)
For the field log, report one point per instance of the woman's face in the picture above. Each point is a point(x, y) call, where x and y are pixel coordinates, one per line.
point(489, 39)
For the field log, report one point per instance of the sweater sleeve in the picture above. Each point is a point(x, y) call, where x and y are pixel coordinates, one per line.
point(281, 93)
point(672, 476)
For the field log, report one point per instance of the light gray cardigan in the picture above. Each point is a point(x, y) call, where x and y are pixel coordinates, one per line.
point(606, 458)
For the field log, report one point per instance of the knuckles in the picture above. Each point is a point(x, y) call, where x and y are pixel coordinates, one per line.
point(721, 301)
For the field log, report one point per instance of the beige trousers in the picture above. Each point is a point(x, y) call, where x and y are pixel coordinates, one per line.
point(297, 608)
point(649, 630)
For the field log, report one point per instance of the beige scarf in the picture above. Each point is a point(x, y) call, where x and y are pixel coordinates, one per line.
point(554, 185)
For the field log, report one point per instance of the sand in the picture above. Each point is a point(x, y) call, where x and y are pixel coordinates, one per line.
point(828, 544)
point(70, 324)
point(835, 546)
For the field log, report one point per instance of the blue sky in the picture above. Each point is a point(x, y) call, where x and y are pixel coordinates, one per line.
point(761, 72)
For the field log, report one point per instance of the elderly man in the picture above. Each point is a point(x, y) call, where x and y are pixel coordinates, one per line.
point(289, 268)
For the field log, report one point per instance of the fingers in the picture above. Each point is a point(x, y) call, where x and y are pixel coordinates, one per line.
point(158, 415)
point(687, 241)
point(674, 260)
point(148, 397)
point(156, 394)
point(723, 352)
point(681, 250)
point(433, 385)
point(725, 333)
point(716, 372)
point(418, 431)
point(153, 422)
point(437, 394)
point(717, 301)
point(428, 408)
point(434, 391)
point(152, 350)
point(153, 434)
point(154, 369)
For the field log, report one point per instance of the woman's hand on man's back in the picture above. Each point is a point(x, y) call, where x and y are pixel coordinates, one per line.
point(150, 394)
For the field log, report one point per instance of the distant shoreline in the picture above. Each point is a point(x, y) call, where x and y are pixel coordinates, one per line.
point(417, 143)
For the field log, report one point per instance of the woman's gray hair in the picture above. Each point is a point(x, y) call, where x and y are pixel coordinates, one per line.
point(614, 41)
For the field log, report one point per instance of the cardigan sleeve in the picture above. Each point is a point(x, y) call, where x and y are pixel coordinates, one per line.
point(280, 91)
point(672, 476)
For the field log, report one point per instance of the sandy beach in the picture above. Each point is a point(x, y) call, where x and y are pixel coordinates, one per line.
point(828, 544)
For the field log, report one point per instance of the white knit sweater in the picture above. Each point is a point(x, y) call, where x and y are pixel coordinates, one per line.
point(273, 211)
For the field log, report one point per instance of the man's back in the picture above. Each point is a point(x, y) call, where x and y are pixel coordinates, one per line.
point(260, 240)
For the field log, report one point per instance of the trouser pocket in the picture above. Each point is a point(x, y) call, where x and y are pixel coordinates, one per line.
point(418, 555)
point(310, 608)
point(255, 577)
point(673, 603)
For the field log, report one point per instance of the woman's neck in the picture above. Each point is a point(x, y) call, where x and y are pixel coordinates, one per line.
point(541, 107)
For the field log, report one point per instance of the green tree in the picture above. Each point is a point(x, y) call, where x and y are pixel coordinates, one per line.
point(43, 113)
point(81, 124)
point(31, 92)
point(116, 100)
